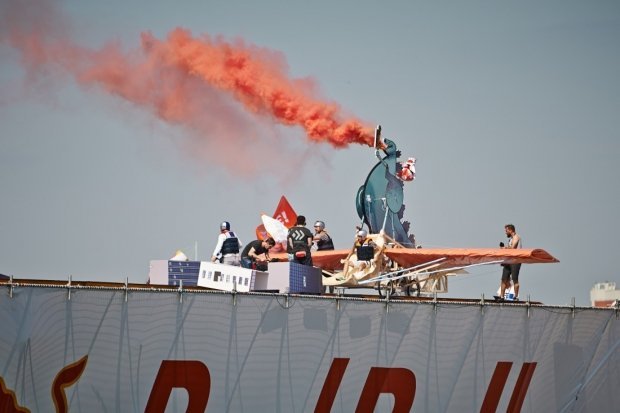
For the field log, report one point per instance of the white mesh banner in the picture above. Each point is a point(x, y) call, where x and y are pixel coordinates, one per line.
point(105, 350)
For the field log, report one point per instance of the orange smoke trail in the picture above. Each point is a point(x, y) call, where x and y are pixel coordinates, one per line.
point(181, 77)
point(258, 83)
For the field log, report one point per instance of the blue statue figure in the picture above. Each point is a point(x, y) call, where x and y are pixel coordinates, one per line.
point(380, 200)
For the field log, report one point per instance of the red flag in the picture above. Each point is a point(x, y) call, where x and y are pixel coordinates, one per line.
point(284, 213)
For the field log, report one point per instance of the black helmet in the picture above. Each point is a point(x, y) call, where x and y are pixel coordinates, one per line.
point(225, 226)
point(320, 224)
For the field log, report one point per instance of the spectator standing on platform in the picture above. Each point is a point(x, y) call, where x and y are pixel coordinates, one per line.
point(511, 271)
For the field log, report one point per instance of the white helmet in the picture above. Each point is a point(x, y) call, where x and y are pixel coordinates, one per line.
point(362, 233)
point(225, 226)
point(320, 224)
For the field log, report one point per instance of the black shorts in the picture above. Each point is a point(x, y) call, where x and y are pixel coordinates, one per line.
point(511, 272)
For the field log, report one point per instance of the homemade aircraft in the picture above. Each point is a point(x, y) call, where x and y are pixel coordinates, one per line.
point(395, 264)
point(396, 269)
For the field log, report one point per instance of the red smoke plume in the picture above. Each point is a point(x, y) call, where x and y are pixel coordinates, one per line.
point(198, 82)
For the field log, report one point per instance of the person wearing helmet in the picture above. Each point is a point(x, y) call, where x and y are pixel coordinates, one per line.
point(364, 249)
point(364, 246)
point(228, 246)
point(298, 242)
point(321, 237)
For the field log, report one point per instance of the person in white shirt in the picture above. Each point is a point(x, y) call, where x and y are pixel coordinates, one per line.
point(228, 246)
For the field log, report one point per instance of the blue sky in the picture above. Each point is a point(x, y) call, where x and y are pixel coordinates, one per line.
point(511, 109)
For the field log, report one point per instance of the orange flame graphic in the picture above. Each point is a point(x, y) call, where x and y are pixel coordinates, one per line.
point(8, 403)
point(65, 378)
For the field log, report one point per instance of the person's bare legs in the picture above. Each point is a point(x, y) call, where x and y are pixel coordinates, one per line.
point(504, 286)
point(505, 283)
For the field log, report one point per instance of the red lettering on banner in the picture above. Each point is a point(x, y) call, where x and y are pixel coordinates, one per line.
point(498, 381)
point(496, 387)
point(331, 385)
point(523, 382)
point(192, 375)
point(398, 381)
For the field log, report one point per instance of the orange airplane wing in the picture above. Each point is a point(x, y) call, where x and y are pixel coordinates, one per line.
point(452, 257)
point(456, 257)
